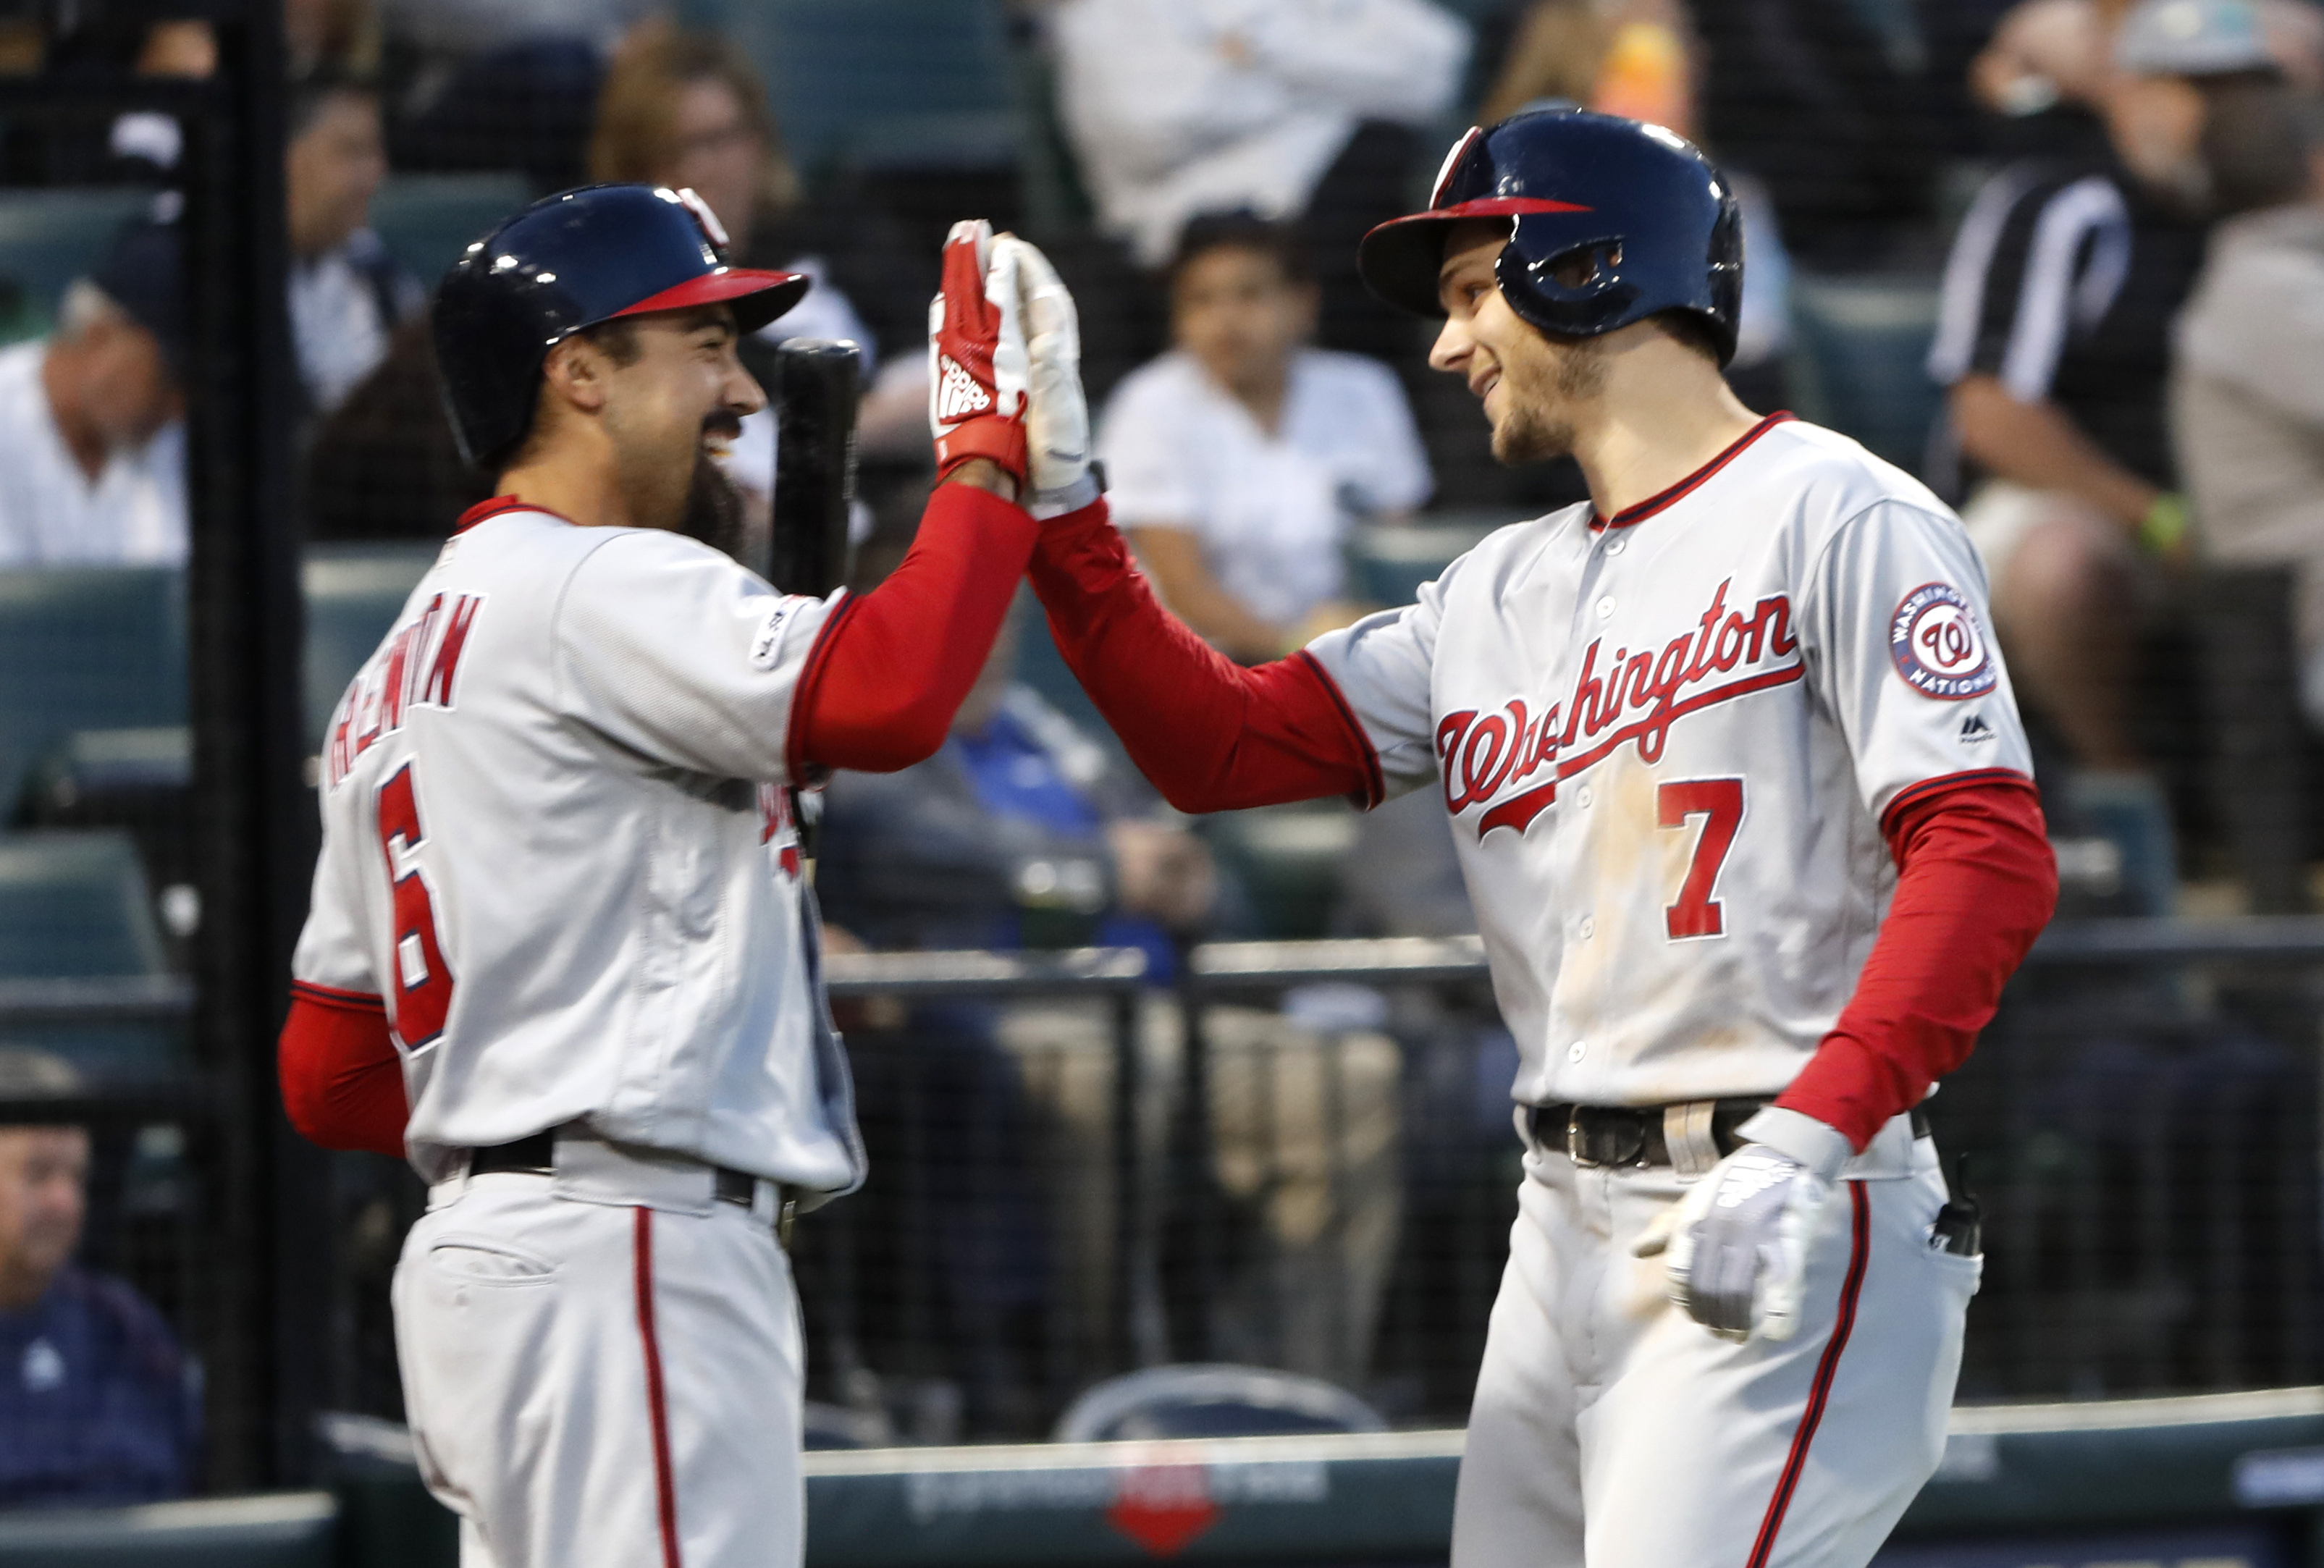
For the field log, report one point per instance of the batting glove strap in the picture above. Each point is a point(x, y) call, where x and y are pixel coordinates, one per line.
point(1739, 1243)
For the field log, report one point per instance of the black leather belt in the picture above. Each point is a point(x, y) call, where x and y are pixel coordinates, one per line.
point(537, 1155)
point(1633, 1134)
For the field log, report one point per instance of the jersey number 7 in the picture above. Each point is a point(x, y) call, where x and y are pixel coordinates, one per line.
point(423, 980)
point(1719, 803)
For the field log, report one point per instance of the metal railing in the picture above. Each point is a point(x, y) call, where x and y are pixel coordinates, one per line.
point(2141, 1123)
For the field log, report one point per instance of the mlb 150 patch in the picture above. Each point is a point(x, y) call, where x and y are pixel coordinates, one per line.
point(1938, 646)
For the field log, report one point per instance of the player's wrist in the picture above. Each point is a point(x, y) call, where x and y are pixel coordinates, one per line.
point(1800, 1137)
point(984, 473)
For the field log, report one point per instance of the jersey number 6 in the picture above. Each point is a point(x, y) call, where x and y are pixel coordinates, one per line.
point(1719, 803)
point(423, 980)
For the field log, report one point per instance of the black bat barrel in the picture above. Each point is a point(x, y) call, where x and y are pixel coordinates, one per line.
point(815, 390)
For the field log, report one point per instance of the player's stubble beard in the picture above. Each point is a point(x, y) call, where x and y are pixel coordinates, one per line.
point(714, 506)
point(1546, 383)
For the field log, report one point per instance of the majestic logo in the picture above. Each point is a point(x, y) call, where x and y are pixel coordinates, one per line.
point(1492, 759)
point(767, 642)
point(1974, 729)
point(415, 668)
point(1938, 646)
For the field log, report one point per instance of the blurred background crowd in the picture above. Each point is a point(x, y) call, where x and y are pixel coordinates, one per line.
point(2063, 260)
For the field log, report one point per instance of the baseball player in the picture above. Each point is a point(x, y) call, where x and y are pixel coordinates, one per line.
point(1742, 801)
point(561, 951)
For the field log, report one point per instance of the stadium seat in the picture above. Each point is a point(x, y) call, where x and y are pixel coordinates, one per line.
point(1387, 565)
point(85, 648)
point(428, 220)
point(283, 1530)
point(1211, 1401)
point(1288, 860)
point(50, 236)
point(74, 905)
point(141, 781)
point(887, 84)
point(353, 595)
point(1858, 349)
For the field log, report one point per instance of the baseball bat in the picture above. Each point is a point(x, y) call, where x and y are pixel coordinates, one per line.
point(814, 395)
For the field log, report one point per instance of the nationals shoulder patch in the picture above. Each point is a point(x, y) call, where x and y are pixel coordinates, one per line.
point(1938, 646)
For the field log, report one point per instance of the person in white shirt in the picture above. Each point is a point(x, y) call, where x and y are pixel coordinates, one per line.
point(91, 419)
point(347, 294)
point(1240, 460)
point(1177, 108)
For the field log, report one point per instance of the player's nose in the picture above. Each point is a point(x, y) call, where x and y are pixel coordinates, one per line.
point(743, 394)
point(1452, 348)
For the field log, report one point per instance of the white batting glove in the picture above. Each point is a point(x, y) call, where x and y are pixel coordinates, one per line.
point(977, 356)
point(1739, 1239)
point(1056, 420)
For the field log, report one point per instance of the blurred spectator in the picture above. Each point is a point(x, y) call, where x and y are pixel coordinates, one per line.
point(347, 294)
point(687, 109)
point(2247, 381)
point(1240, 460)
point(1825, 102)
point(96, 1404)
point(90, 417)
point(1288, 108)
point(2053, 339)
point(1020, 831)
point(338, 37)
point(501, 84)
point(1640, 61)
point(384, 464)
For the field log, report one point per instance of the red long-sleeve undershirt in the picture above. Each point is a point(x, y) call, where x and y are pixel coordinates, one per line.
point(878, 693)
point(342, 1080)
point(1976, 881)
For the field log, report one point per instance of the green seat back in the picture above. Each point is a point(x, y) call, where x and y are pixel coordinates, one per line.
point(427, 220)
point(1858, 360)
point(74, 905)
point(85, 648)
point(353, 594)
point(921, 84)
point(49, 237)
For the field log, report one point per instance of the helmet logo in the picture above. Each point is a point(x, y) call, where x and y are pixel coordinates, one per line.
point(957, 391)
point(1451, 162)
point(693, 203)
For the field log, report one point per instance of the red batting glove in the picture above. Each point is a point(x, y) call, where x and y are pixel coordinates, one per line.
point(977, 357)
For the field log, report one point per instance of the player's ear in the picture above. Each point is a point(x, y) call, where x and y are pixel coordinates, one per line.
point(576, 374)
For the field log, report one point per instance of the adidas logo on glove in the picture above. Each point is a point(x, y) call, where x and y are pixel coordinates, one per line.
point(958, 394)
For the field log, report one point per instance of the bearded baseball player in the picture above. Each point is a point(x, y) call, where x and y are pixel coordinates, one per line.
point(1743, 804)
point(560, 950)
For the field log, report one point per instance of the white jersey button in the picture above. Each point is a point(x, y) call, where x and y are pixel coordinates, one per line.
point(1614, 548)
point(1588, 927)
point(1577, 1050)
point(1583, 798)
point(1605, 606)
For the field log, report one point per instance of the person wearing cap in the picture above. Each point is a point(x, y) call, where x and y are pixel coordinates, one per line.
point(2053, 343)
point(90, 417)
point(98, 1405)
point(563, 952)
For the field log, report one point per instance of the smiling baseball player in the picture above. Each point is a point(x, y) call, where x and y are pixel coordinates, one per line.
point(560, 950)
point(1741, 798)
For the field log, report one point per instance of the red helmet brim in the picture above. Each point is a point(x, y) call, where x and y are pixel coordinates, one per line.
point(758, 296)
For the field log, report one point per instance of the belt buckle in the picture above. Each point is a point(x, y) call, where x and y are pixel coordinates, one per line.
point(1576, 1147)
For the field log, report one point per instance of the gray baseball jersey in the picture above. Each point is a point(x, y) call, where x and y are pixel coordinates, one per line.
point(1668, 741)
point(557, 842)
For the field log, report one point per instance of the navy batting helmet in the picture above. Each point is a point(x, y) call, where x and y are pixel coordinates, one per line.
point(568, 262)
point(1637, 211)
